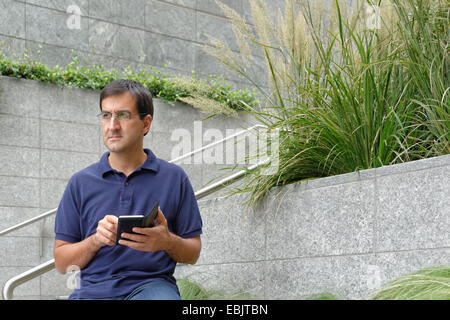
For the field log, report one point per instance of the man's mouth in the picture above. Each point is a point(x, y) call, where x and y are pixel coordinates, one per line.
point(114, 137)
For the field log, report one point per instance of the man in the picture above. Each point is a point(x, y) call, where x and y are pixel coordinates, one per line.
point(127, 180)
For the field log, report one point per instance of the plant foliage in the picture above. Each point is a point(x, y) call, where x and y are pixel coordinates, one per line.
point(426, 284)
point(213, 96)
point(347, 90)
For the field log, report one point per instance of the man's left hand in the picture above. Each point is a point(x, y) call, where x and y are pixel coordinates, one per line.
point(150, 239)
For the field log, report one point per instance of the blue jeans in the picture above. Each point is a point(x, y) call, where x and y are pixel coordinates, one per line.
point(155, 290)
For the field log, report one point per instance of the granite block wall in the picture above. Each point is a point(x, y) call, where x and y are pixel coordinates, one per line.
point(165, 34)
point(347, 235)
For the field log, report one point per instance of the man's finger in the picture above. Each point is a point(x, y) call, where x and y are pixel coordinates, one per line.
point(130, 244)
point(132, 236)
point(161, 218)
point(111, 218)
point(106, 233)
point(109, 223)
point(105, 240)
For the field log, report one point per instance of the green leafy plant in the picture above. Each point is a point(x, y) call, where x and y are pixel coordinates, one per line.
point(214, 96)
point(424, 35)
point(346, 95)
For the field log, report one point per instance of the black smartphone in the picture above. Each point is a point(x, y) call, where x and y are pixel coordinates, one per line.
point(127, 223)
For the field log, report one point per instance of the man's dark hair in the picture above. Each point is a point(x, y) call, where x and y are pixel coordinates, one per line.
point(144, 101)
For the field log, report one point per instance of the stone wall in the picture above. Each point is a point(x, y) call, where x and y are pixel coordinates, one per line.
point(121, 33)
point(346, 235)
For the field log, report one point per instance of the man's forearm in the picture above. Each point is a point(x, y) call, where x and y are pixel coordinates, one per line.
point(75, 254)
point(184, 250)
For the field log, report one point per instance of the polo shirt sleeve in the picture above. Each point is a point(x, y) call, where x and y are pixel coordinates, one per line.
point(189, 222)
point(67, 221)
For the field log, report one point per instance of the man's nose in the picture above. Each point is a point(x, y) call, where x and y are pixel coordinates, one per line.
point(114, 123)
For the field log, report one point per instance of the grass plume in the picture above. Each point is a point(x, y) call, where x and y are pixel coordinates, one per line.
point(427, 284)
point(347, 93)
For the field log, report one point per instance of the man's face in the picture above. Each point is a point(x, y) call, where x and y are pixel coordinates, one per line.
point(123, 135)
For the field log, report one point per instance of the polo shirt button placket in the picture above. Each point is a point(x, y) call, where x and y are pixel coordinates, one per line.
point(126, 196)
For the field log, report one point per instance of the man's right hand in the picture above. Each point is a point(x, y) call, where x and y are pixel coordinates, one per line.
point(79, 254)
point(106, 231)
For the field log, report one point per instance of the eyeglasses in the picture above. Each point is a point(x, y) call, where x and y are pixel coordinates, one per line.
point(119, 115)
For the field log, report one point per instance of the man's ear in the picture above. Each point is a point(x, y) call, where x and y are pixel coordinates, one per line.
point(147, 124)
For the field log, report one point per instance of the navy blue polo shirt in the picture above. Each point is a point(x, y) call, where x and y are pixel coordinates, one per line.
point(100, 190)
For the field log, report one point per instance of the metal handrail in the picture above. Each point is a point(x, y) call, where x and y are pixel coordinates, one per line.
point(28, 275)
point(217, 142)
point(228, 180)
point(27, 222)
point(53, 211)
point(37, 271)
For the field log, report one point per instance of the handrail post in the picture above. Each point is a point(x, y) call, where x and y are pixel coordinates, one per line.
point(12, 283)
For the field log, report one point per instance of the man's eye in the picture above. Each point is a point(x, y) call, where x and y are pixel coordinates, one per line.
point(106, 115)
point(122, 115)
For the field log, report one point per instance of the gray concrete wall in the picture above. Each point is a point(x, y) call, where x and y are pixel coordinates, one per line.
point(347, 235)
point(48, 133)
point(117, 33)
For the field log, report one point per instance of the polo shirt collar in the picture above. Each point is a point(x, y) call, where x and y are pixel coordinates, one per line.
point(152, 163)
